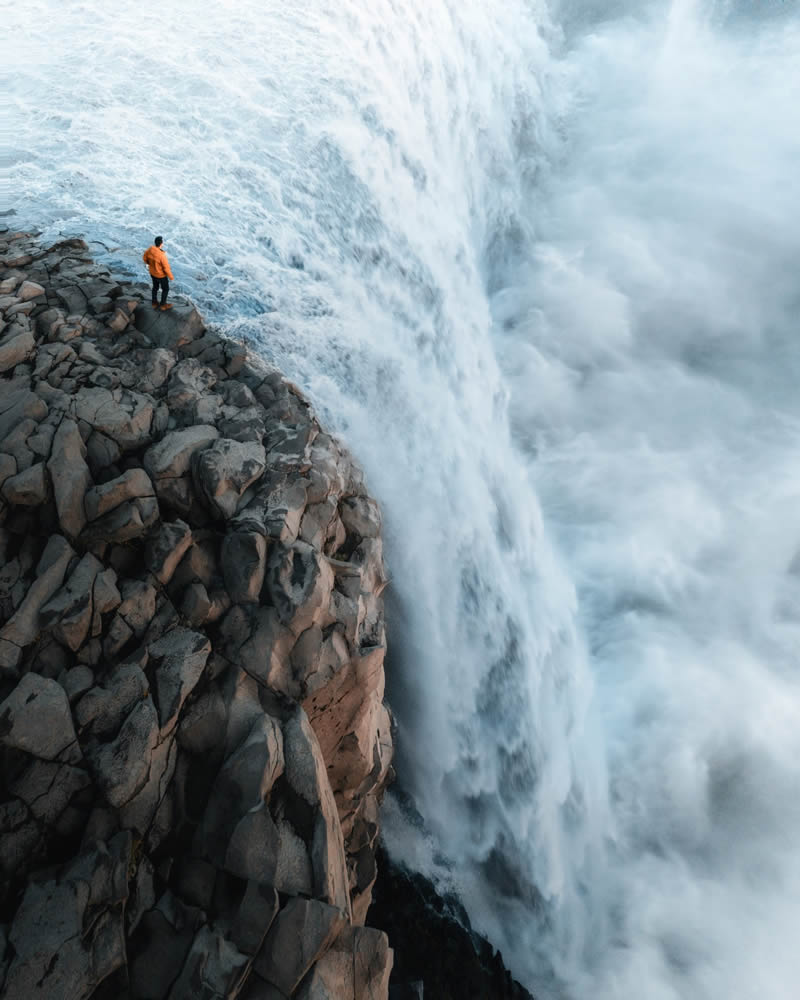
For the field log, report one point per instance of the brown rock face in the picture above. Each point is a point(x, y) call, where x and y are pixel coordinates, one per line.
point(193, 739)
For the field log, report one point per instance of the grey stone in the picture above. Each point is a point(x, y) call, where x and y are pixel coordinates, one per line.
point(293, 873)
point(194, 881)
point(306, 773)
point(257, 988)
point(180, 656)
point(153, 367)
point(171, 457)
point(202, 722)
point(122, 766)
point(105, 707)
point(224, 470)
point(331, 978)
point(69, 612)
point(36, 718)
point(23, 627)
point(131, 484)
point(72, 299)
point(372, 963)
point(173, 329)
point(300, 581)
point(257, 910)
point(189, 381)
point(102, 451)
point(260, 645)
point(142, 894)
point(138, 812)
point(47, 787)
point(254, 846)
point(29, 290)
point(276, 510)
point(10, 282)
point(41, 441)
point(15, 349)
point(76, 682)
point(119, 320)
point(82, 941)
point(301, 933)
point(70, 476)
point(105, 598)
point(19, 405)
point(166, 548)
point(316, 659)
point(241, 787)
point(361, 516)
point(200, 561)
point(196, 604)
point(132, 519)
point(138, 604)
point(213, 969)
point(28, 488)
point(159, 949)
point(244, 561)
point(316, 523)
point(123, 415)
point(8, 468)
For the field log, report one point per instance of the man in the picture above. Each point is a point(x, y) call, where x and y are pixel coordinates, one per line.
point(160, 272)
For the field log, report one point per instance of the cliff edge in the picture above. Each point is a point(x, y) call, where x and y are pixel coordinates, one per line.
point(193, 739)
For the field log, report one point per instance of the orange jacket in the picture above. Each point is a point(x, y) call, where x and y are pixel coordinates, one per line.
point(157, 262)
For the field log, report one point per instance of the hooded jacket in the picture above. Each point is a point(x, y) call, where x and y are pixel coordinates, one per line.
point(157, 262)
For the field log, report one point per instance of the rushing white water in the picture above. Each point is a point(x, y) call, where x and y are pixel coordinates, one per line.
point(538, 264)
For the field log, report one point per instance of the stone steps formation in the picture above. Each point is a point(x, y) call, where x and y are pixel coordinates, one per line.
point(193, 736)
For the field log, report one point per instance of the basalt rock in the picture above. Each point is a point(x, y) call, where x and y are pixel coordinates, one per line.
point(193, 740)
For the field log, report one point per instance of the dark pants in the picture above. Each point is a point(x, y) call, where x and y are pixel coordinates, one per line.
point(164, 284)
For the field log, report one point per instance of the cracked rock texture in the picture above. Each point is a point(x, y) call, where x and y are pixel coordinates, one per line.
point(193, 738)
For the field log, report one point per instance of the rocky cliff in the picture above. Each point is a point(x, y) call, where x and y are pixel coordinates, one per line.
point(193, 740)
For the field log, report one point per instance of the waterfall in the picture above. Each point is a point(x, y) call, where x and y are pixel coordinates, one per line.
point(537, 263)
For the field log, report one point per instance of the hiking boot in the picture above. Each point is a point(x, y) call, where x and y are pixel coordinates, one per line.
point(155, 305)
point(164, 308)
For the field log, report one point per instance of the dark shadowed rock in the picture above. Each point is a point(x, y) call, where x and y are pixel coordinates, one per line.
point(28, 488)
point(166, 548)
point(70, 476)
point(101, 499)
point(244, 562)
point(82, 942)
point(224, 470)
point(180, 656)
point(301, 933)
point(36, 718)
point(171, 457)
point(121, 767)
point(69, 612)
point(23, 626)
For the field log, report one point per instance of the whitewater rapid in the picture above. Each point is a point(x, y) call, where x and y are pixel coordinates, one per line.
point(537, 263)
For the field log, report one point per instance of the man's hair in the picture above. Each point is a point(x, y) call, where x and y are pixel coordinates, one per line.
point(158, 240)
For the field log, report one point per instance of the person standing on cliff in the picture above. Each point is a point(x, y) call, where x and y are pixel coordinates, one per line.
point(160, 271)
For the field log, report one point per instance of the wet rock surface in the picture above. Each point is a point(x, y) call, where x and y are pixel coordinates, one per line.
point(436, 953)
point(193, 740)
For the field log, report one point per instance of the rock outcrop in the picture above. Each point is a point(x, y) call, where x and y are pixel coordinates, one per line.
point(193, 739)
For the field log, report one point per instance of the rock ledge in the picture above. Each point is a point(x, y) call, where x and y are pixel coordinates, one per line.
point(193, 739)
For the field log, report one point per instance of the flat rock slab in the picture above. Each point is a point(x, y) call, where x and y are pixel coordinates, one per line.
point(173, 329)
point(36, 718)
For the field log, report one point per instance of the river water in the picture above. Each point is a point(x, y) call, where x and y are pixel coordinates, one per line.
point(537, 263)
